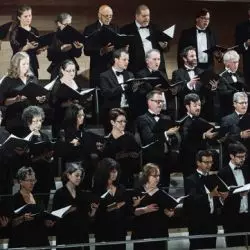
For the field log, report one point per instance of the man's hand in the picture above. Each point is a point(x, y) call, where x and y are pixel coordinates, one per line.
point(172, 130)
point(209, 134)
point(214, 84)
point(106, 49)
point(245, 134)
point(78, 45)
point(66, 47)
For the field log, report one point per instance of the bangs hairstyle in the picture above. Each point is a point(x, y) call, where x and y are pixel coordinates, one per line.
point(30, 112)
point(147, 170)
point(71, 168)
point(14, 70)
point(21, 9)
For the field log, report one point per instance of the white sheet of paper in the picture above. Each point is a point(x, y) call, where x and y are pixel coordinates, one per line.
point(170, 31)
point(59, 213)
point(242, 189)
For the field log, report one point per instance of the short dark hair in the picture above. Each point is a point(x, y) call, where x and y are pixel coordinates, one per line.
point(185, 51)
point(152, 93)
point(236, 148)
point(140, 8)
point(115, 112)
point(23, 172)
point(192, 97)
point(117, 53)
point(203, 153)
point(30, 112)
point(70, 118)
point(71, 168)
point(202, 12)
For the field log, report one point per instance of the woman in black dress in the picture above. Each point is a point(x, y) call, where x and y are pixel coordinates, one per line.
point(74, 226)
point(18, 76)
point(40, 154)
point(122, 146)
point(151, 214)
point(19, 43)
point(81, 145)
point(58, 103)
point(58, 51)
point(115, 205)
point(27, 230)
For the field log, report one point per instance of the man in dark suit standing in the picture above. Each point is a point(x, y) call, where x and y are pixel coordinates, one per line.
point(235, 213)
point(231, 80)
point(201, 37)
point(202, 204)
point(159, 130)
point(141, 28)
point(112, 86)
point(195, 134)
point(231, 128)
point(100, 54)
point(242, 38)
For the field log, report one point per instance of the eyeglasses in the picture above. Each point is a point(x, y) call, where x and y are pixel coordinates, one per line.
point(205, 18)
point(157, 101)
point(37, 121)
point(242, 103)
point(207, 162)
point(122, 121)
point(155, 175)
point(240, 156)
point(106, 16)
point(31, 180)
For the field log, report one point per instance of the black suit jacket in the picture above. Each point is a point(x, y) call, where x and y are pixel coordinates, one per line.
point(232, 203)
point(242, 34)
point(136, 50)
point(152, 131)
point(188, 37)
point(111, 90)
point(98, 63)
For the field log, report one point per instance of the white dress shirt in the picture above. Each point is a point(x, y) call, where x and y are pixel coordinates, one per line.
point(144, 33)
point(201, 46)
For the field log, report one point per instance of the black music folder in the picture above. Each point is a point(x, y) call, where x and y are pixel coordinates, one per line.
point(34, 209)
point(56, 214)
point(218, 48)
point(4, 30)
point(65, 92)
point(31, 90)
point(106, 35)
point(70, 35)
point(135, 84)
point(207, 76)
point(42, 147)
point(163, 36)
point(244, 122)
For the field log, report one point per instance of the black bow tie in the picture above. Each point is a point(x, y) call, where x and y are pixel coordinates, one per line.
point(154, 115)
point(232, 74)
point(144, 27)
point(237, 168)
point(203, 177)
point(201, 31)
point(118, 73)
point(188, 70)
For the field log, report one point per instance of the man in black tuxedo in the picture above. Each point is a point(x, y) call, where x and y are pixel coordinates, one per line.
point(100, 54)
point(158, 129)
point(188, 74)
point(138, 101)
point(201, 37)
point(235, 212)
point(141, 28)
point(113, 88)
point(232, 127)
point(195, 134)
point(231, 80)
point(202, 204)
point(242, 38)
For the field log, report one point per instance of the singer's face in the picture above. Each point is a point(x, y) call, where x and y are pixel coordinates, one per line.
point(194, 108)
point(143, 18)
point(28, 183)
point(153, 61)
point(205, 164)
point(241, 105)
point(120, 123)
point(75, 177)
point(69, 72)
point(191, 59)
point(26, 18)
point(203, 21)
point(113, 175)
point(24, 66)
point(238, 159)
point(232, 65)
point(154, 178)
point(80, 117)
point(105, 15)
point(155, 103)
point(36, 124)
point(122, 62)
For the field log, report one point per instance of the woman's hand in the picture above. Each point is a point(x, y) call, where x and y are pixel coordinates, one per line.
point(93, 207)
point(169, 212)
point(151, 208)
point(49, 223)
point(66, 47)
point(30, 45)
point(137, 200)
point(4, 221)
point(78, 45)
point(28, 217)
point(75, 142)
point(41, 99)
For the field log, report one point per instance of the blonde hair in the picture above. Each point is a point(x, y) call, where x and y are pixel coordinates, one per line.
point(14, 70)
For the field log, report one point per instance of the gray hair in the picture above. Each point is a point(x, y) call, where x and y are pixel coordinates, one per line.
point(231, 55)
point(30, 112)
point(148, 54)
point(23, 172)
point(239, 95)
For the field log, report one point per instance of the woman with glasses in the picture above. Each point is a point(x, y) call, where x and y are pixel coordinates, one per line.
point(151, 214)
point(122, 146)
point(73, 228)
point(60, 103)
point(19, 75)
point(58, 51)
point(19, 42)
point(81, 145)
point(40, 153)
point(115, 205)
point(28, 230)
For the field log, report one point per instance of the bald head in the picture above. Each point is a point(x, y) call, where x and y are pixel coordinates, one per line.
point(105, 14)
